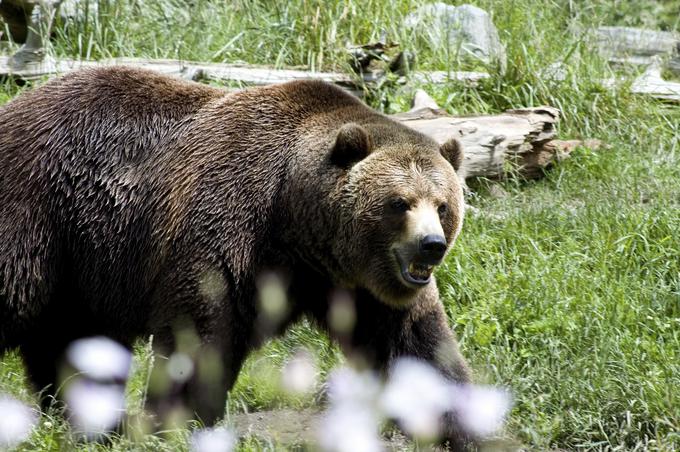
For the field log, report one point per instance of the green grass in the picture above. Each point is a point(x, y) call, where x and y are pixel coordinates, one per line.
point(565, 289)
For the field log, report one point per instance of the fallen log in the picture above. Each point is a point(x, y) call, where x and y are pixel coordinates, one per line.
point(231, 73)
point(650, 83)
point(252, 75)
point(520, 140)
point(638, 46)
point(533, 163)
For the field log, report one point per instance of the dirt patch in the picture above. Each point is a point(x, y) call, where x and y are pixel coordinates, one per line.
point(297, 428)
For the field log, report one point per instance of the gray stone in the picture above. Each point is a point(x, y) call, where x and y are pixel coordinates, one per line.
point(465, 28)
point(74, 10)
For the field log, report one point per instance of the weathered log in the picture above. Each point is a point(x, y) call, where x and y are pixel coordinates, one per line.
point(638, 46)
point(246, 74)
point(533, 163)
point(651, 83)
point(620, 44)
point(520, 140)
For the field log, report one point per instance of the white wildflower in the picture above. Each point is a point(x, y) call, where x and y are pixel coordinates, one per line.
point(96, 408)
point(350, 428)
point(348, 386)
point(352, 420)
point(100, 358)
point(180, 367)
point(417, 395)
point(219, 439)
point(16, 421)
point(299, 373)
point(481, 410)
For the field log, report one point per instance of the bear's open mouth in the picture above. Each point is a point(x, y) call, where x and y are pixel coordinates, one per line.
point(413, 272)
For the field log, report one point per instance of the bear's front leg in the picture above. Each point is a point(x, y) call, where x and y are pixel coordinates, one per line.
point(383, 333)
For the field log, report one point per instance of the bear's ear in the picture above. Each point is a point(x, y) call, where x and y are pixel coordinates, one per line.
point(453, 152)
point(352, 144)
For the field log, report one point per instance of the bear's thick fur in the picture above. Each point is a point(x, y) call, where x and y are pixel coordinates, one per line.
point(131, 202)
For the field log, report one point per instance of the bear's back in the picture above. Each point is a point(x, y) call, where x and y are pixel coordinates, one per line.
point(80, 141)
point(97, 117)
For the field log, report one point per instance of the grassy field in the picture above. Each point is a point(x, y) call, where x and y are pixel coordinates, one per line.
point(565, 289)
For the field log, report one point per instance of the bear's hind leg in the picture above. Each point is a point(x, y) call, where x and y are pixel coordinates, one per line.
point(42, 356)
point(44, 347)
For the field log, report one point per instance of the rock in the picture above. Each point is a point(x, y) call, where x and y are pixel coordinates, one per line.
point(556, 72)
point(76, 10)
point(423, 100)
point(496, 191)
point(463, 27)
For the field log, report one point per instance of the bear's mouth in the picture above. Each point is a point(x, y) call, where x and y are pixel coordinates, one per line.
point(413, 272)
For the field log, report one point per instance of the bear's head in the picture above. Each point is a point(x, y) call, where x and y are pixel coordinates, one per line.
point(400, 207)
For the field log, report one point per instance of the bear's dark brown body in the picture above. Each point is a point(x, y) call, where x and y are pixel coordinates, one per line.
point(130, 201)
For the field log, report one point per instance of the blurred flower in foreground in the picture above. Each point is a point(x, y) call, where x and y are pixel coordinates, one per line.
point(481, 410)
point(219, 439)
point(180, 367)
point(347, 386)
point(272, 297)
point(96, 408)
point(100, 358)
point(347, 428)
point(16, 421)
point(352, 420)
point(417, 395)
point(299, 373)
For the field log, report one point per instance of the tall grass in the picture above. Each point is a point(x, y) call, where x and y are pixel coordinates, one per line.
point(565, 289)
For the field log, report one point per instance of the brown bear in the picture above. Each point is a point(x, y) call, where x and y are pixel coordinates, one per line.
point(130, 201)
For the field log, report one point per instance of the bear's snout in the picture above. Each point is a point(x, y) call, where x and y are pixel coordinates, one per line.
point(431, 249)
point(418, 258)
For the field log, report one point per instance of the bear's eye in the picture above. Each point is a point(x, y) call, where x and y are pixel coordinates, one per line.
point(399, 205)
point(442, 209)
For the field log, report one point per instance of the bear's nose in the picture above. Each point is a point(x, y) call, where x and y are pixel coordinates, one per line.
point(432, 248)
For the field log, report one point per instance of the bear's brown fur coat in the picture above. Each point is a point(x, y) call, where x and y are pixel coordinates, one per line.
point(130, 201)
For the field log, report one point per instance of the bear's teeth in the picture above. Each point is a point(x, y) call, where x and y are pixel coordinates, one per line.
point(420, 271)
